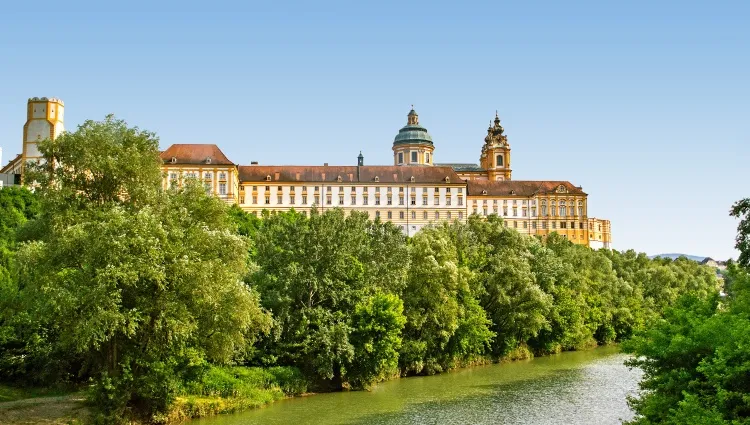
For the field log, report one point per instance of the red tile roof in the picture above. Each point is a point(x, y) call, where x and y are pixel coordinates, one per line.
point(520, 187)
point(349, 174)
point(195, 154)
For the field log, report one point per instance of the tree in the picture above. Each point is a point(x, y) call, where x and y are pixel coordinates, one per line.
point(741, 210)
point(139, 284)
point(376, 337)
point(313, 273)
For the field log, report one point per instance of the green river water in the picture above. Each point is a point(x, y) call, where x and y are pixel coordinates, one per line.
point(586, 387)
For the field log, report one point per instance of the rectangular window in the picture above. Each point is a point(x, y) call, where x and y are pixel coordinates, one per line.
point(448, 201)
point(389, 200)
point(515, 212)
point(341, 200)
point(354, 200)
point(523, 212)
point(436, 201)
point(222, 176)
point(328, 200)
point(268, 188)
point(390, 215)
point(413, 157)
point(525, 225)
point(563, 225)
point(364, 200)
point(222, 188)
point(424, 200)
point(268, 200)
point(389, 189)
point(448, 215)
point(460, 214)
point(401, 215)
point(413, 200)
point(377, 189)
point(554, 225)
point(317, 199)
point(580, 211)
point(304, 199)
point(401, 200)
point(255, 199)
point(400, 158)
point(572, 224)
point(460, 201)
point(437, 215)
point(580, 225)
point(291, 199)
point(505, 211)
point(279, 199)
point(515, 225)
point(413, 215)
point(377, 200)
point(377, 214)
point(533, 225)
point(544, 225)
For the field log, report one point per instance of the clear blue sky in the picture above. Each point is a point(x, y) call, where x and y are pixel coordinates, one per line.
point(645, 104)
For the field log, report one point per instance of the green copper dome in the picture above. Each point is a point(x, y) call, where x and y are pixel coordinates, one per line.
point(412, 132)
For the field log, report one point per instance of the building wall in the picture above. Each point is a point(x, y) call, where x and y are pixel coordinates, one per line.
point(600, 235)
point(408, 205)
point(534, 215)
point(219, 180)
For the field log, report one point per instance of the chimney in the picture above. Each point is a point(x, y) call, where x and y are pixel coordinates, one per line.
point(325, 164)
point(253, 162)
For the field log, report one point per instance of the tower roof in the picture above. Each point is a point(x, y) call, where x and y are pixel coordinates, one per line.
point(412, 132)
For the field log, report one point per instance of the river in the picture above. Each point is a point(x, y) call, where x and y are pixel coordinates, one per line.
point(586, 387)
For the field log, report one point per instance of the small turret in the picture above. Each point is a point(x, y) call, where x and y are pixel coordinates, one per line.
point(360, 159)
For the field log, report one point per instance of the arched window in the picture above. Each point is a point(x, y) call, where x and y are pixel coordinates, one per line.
point(499, 161)
point(553, 209)
point(544, 208)
point(563, 209)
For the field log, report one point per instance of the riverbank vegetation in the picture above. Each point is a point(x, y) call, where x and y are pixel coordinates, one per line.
point(166, 304)
point(696, 358)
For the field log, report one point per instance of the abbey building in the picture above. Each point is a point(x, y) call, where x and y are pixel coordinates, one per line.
point(412, 193)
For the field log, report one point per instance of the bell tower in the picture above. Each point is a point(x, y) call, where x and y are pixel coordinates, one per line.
point(44, 120)
point(495, 156)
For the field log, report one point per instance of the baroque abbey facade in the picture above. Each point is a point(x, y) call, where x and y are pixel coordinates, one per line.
point(412, 193)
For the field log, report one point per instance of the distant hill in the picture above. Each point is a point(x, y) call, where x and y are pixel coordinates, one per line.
point(697, 258)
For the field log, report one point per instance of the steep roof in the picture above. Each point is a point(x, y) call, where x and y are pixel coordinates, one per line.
point(520, 187)
point(195, 154)
point(348, 174)
point(462, 166)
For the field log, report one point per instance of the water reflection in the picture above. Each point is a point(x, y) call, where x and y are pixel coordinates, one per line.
point(571, 388)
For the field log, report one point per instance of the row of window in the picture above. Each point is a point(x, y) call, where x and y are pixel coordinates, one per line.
point(376, 189)
point(206, 185)
point(437, 215)
point(315, 199)
point(414, 157)
point(563, 211)
point(194, 175)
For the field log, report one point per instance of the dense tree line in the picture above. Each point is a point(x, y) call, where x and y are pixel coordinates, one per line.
point(142, 293)
point(696, 358)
